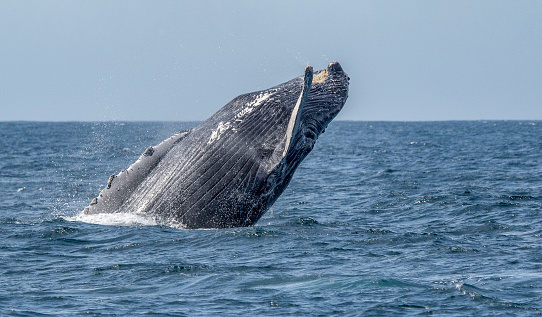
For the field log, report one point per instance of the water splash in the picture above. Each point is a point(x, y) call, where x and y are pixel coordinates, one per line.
point(115, 219)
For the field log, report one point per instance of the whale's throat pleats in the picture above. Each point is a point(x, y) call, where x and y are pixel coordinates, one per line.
point(121, 186)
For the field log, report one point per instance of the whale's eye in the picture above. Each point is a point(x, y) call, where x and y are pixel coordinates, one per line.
point(310, 133)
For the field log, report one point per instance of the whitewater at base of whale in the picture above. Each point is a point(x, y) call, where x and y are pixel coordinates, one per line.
point(115, 219)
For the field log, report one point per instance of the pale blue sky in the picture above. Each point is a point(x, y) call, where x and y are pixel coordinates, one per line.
point(183, 60)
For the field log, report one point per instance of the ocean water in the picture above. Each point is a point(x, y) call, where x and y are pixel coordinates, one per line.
point(381, 219)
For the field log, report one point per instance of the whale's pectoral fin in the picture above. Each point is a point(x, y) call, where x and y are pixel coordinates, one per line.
point(295, 118)
point(119, 187)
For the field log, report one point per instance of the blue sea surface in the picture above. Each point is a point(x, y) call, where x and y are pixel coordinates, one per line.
point(381, 219)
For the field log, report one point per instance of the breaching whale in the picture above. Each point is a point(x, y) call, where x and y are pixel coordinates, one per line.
point(231, 168)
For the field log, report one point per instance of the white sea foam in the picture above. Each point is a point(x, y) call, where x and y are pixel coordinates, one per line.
point(115, 219)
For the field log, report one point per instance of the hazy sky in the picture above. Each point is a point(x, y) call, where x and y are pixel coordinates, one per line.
point(183, 60)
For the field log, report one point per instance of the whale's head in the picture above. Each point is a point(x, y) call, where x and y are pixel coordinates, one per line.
point(321, 98)
point(327, 95)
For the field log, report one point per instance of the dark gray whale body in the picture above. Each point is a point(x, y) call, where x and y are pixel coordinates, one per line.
point(230, 169)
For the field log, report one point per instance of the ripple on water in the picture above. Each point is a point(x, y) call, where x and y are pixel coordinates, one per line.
point(381, 219)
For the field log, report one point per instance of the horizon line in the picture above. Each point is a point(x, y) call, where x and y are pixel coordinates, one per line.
point(200, 121)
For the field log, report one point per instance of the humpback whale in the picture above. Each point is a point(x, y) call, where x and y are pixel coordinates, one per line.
point(230, 169)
